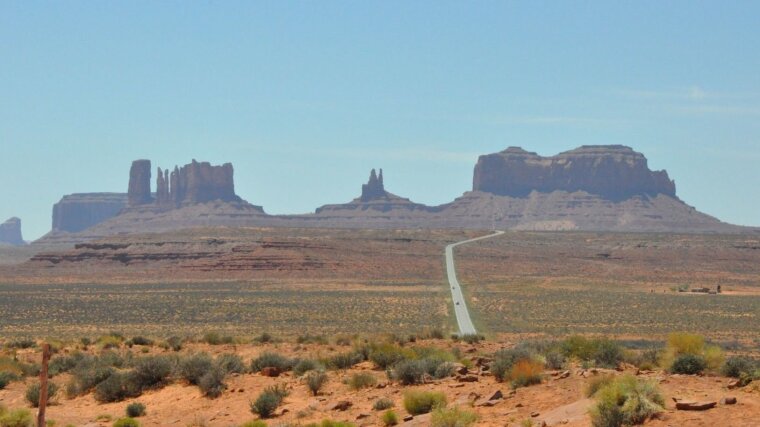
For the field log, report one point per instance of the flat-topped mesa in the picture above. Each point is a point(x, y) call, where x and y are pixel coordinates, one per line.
point(374, 188)
point(615, 172)
point(80, 211)
point(139, 183)
point(10, 232)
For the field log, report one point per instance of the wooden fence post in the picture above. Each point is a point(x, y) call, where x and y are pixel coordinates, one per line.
point(43, 385)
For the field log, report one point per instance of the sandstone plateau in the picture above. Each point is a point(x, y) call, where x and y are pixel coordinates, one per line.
point(77, 212)
point(10, 232)
point(614, 172)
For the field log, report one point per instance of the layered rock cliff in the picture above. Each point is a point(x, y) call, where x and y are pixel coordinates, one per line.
point(10, 232)
point(614, 172)
point(77, 212)
point(196, 182)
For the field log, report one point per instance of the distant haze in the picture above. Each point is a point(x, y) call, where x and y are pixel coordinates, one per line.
point(305, 98)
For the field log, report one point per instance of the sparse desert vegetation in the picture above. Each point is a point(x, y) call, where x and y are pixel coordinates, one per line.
point(449, 382)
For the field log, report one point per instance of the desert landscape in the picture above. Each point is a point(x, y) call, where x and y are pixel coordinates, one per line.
point(378, 214)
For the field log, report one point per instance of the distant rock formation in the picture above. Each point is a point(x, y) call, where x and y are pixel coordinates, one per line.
point(374, 188)
point(614, 172)
point(10, 232)
point(373, 199)
point(196, 183)
point(139, 183)
point(77, 212)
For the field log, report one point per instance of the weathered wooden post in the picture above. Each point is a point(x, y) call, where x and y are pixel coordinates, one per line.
point(43, 385)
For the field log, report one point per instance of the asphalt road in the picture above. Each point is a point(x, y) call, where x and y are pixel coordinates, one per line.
point(460, 306)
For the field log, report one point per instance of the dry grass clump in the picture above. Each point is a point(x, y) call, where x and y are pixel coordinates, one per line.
point(418, 402)
point(689, 354)
point(626, 401)
point(452, 417)
point(360, 380)
point(15, 418)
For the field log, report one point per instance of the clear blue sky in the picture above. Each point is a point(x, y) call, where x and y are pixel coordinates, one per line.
point(305, 97)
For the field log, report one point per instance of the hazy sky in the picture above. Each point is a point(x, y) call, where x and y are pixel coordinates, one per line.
point(305, 97)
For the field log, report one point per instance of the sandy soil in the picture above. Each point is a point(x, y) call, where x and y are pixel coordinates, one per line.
point(558, 401)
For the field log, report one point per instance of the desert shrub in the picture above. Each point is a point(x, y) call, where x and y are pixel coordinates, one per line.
point(255, 423)
point(135, 409)
point(344, 360)
point(15, 418)
point(452, 417)
point(230, 363)
point(389, 418)
point(214, 338)
point(212, 383)
point(444, 370)
point(265, 337)
point(681, 343)
point(193, 367)
point(88, 373)
point(117, 387)
point(503, 360)
point(525, 373)
point(409, 372)
point(110, 341)
point(555, 359)
point(150, 371)
point(305, 365)
point(61, 364)
point(315, 380)
point(268, 401)
point(690, 364)
point(6, 377)
point(342, 340)
point(645, 359)
point(471, 338)
point(418, 402)
point(626, 401)
point(32, 394)
point(21, 343)
point(598, 382)
point(607, 353)
point(175, 343)
point(714, 357)
point(736, 365)
point(139, 340)
point(126, 422)
point(30, 369)
point(601, 352)
point(311, 339)
point(382, 404)
point(111, 358)
point(386, 355)
point(361, 380)
point(271, 360)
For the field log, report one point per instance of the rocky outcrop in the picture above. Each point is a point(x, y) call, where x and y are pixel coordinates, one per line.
point(10, 232)
point(373, 200)
point(196, 182)
point(77, 212)
point(614, 172)
point(139, 183)
point(374, 188)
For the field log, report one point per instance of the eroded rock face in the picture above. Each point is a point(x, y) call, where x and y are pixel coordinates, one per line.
point(614, 172)
point(77, 212)
point(196, 182)
point(10, 232)
point(374, 188)
point(139, 183)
